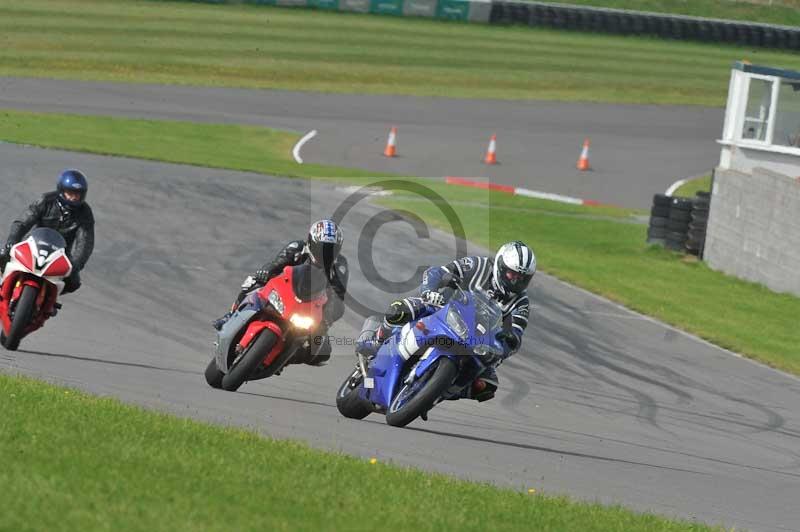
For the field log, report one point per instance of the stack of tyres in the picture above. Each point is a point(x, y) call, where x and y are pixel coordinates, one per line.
point(680, 214)
point(699, 222)
point(659, 216)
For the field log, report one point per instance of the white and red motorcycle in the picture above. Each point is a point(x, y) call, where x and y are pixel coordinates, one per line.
point(31, 283)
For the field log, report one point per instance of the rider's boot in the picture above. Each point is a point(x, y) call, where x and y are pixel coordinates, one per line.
point(222, 320)
point(319, 360)
point(317, 354)
point(373, 334)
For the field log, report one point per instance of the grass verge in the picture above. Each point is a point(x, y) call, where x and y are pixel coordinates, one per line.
point(78, 462)
point(278, 48)
point(593, 247)
point(247, 148)
point(784, 12)
point(693, 186)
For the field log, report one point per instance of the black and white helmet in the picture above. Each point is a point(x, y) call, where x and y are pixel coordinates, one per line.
point(514, 266)
point(324, 242)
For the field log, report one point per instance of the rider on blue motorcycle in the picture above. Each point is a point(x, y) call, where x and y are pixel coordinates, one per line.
point(505, 278)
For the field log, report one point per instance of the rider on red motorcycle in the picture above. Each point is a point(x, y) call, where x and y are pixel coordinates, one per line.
point(66, 211)
point(321, 248)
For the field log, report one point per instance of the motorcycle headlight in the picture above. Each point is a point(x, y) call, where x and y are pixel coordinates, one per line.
point(456, 322)
point(487, 351)
point(302, 322)
point(276, 301)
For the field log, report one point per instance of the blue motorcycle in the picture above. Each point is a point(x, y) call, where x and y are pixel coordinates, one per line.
point(426, 361)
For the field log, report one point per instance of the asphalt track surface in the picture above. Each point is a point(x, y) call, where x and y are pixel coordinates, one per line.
point(601, 403)
point(636, 152)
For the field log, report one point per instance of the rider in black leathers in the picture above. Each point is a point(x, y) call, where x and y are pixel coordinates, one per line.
point(66, 211)
point(321, 248)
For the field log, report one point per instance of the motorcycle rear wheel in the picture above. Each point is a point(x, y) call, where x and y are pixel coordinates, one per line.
point(247, 365)
point(348, 402)
point(22, 317)
point(423, 400)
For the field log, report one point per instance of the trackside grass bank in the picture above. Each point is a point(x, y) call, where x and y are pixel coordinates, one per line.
point(268, 47)
point(78, 462)
point(593, 247)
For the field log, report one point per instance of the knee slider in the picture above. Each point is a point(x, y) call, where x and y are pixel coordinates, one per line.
point(369, 329)
point(397, 313)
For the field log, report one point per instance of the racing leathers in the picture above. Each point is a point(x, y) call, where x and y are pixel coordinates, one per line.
point(293, 254)
point(471, 273)
point(76, 225)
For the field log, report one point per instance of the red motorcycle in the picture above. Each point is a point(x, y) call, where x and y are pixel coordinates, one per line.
point(31, 282)
point(269, 327)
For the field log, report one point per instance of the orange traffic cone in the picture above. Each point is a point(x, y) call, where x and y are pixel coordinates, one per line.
point(491, 153)
point(391, 144)
point(583, 160)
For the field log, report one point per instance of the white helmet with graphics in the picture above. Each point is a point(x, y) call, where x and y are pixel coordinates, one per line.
point(514, 266)
point(324, 242)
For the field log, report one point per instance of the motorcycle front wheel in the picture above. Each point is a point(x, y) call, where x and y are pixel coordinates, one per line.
point(249, 362)
point(22, 317)
point(419, 396)
point(214, 375)
point(348, 402)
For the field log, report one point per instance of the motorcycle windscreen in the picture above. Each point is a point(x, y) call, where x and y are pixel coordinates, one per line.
point(48, 240)
point(308, 282)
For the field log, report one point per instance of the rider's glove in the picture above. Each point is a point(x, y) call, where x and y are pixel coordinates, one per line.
point(249, 283)
point(434, 298)
point(261, 276)
point(5, 256)
point(448, 279)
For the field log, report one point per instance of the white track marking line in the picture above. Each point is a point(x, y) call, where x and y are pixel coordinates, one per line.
point(611, 315)
point(675, 186)
point(369, 191)
point(547, 196)
point(296, 151)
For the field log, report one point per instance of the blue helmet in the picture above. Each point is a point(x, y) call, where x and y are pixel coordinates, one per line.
point(72, 181)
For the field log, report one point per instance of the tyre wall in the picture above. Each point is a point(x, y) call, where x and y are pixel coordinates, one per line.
point(754, 228)
point(581, 18)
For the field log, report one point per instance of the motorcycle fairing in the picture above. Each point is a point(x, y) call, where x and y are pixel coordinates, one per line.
point(385, 369)
point(39, 261)
point(42, 254)
point(254, 328)
point(227, 334)
point(256, 302)
point(422, 343)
